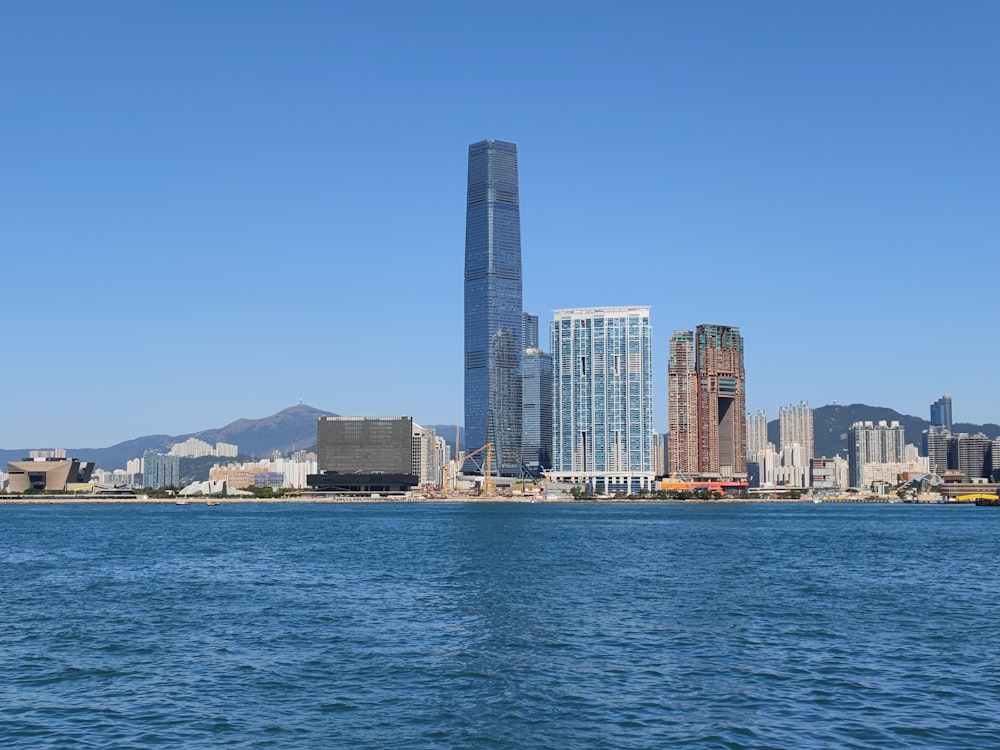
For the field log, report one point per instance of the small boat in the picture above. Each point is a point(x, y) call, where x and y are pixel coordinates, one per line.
point(211, 502)
point(181, 502)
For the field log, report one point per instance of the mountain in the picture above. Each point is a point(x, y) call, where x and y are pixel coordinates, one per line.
point(290, 429)
point(831, 423)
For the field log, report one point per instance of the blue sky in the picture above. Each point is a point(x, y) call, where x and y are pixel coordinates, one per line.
point(215, 210)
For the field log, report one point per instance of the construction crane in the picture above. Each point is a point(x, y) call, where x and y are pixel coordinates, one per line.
point(488, 485)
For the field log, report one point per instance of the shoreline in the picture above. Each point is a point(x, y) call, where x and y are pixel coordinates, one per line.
point(340, 499)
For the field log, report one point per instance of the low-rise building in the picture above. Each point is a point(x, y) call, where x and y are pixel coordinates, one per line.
point(48, 474)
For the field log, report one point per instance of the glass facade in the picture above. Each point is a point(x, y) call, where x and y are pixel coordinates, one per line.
point(602, 374)
point(493, 305)
point(941, 413)
point(536, 439)
point(160, 470)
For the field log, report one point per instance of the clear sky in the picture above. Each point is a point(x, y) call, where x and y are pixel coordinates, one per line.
point(212, 210)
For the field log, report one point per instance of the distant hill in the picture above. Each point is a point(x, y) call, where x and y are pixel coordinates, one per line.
point(830, 425)
point(290, 429)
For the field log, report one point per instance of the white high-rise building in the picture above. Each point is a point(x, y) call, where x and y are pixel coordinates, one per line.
point(795, 423)
point(227, 450)
point(195, 448)
point(428, 451)
point(602, 374)
point(877, 452)
point(756, 431)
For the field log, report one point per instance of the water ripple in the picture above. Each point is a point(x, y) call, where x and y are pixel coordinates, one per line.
point(498, 626)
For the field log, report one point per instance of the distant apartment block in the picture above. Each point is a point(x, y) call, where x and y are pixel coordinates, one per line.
point(195, 448)
point(795, 425)
point(788, 468)
point(293, 471)
point(603, 398)
point(756, 432)
point(160, 470)
point(877, 452)
point(973, 456)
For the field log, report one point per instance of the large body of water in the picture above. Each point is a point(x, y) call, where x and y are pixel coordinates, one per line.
point(499, 626)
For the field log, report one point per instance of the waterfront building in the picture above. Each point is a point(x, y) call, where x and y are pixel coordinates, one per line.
point(536, 400)
point(871, 442)
point(603, 398)
point(828, 473)
point(707, 403)
point(493, 304)
point(970, 454)
point(682, 405)
point(795, 425)
point(762, 467)
point(48, 474)
point(722, 444)
point(756, 431)
point(365, 455)
point(294, 471)
point(793, 471)
point(160, 470)
point(941, 413)
point(237, 476)
point(428, 456)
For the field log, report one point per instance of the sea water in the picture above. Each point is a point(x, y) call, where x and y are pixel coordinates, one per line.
point(486, 625)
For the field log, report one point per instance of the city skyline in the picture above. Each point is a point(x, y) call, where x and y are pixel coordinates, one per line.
point(240, 192)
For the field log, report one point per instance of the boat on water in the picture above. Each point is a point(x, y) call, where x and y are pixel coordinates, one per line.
point(181, 502)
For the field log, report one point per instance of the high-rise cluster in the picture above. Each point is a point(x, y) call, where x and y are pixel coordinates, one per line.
point(586, 411)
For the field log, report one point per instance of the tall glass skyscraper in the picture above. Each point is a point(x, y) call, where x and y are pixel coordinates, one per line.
point(493, 306)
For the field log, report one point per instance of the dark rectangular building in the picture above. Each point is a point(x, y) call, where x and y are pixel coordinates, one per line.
point(364, 454)
point(364, 444)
